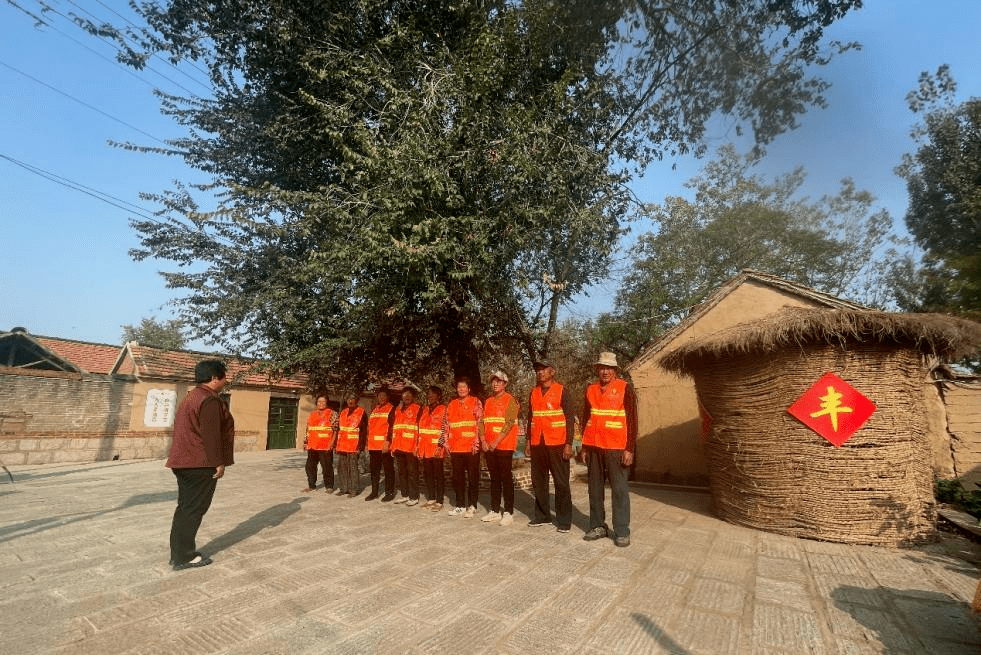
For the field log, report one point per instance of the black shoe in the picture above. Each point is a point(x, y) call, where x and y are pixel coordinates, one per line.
point(387, 498)
point(563, 529)
point(622, 542)
point(534, 523)
point(371, 496)
point(199, 560)
point(596, 533)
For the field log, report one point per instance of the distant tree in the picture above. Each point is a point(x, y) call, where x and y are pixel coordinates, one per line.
point(168, 335)
point(736, 221)
point(414, 184)
point(943, 178)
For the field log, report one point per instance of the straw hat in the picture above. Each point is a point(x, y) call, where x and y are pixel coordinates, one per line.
point(607, 359)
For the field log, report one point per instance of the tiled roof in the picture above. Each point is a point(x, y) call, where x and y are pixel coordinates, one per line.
point(179, 364)
point(90, 357)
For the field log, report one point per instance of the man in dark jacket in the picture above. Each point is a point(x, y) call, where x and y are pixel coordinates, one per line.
point(204, 435)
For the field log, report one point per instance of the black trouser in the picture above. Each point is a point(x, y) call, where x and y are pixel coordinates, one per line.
point(325, 458)
point(408, 474)
point(604, 465)
point(348, 473)
point(195, 489)
point(547, 460)
point(466, 478)
point(432, 470)
point(501, 479)
point(379, 459)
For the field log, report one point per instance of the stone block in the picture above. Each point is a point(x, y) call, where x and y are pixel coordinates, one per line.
point(62, 456)
point(8, 445)
point(51, 444)
point(80, 444)
point(13, 459)
point(27, 445)
point(40, 457)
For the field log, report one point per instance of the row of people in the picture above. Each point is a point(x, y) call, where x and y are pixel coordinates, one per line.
point(415, 436)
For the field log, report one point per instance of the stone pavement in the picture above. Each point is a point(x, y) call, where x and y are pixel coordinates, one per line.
point(83, 552)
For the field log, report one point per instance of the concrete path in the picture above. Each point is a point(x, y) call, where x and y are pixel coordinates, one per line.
point(83, 552)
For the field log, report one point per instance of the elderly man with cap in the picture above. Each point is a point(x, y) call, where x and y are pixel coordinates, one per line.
point(609, 439)
point(498, 442)
point(549, 446)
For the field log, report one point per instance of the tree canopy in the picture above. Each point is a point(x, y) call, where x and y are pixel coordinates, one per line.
point(736, 221)
point(160, 334)
point(410, 184)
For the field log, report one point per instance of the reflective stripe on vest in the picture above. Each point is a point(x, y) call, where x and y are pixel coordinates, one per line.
point(607, 425)
point(494, 410)
point(319, 429)
point(462, 423)
point(430, 424)
point(378, 427)
point(347, 439)
point(547, 417)
point(404, 431)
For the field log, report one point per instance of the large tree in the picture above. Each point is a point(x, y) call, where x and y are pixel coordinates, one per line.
point(943, 178)
point(737, 220)
point(152, 332)
point(406, 184)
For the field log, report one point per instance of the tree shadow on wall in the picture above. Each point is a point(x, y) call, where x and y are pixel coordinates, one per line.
point(911, 620)
point(267, 518)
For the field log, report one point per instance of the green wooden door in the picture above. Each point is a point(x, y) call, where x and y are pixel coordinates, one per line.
point(282, 423)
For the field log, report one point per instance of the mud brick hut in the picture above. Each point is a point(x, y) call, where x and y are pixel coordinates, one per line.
point(815, 420)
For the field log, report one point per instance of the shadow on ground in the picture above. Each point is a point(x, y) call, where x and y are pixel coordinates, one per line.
point(267, 518)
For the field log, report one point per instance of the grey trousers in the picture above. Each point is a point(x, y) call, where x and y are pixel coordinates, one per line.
point(604, 466)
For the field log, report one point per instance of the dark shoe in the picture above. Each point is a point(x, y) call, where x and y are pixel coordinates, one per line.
point(595, 533)
point(371, 496)
point(387, 498)
point(534, 523)
point(563, 529)
point(622, 542)
point(199, 560)
point(341, 492)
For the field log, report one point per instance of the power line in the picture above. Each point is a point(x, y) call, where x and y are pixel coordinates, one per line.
point(83, 103)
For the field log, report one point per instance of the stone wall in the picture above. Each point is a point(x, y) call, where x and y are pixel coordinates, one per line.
point(58, 402)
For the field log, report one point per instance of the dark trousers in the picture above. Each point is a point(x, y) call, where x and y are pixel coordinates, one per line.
point(604, 466)
point(195, 489)
point(501, 479)
point(348, 474)
point(547, 460)
point(432, 472)
point(379, 460)
point(466, 478)
point(408, 471)
point(324, 458)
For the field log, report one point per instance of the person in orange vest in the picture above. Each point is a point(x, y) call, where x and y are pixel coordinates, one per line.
point(319, 444)
point(380, 424)
point(351, 438)
point(428, 449)
point(608, 440)
point(405, 439)
point(499, 440)
point(461, 434)
point(549, 446)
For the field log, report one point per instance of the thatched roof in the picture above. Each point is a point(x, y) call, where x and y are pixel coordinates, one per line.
point(938, 334)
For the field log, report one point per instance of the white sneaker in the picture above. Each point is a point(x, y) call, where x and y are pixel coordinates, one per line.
point(456, 511)
point(491, 516)
point(506, 518)
point(411, 503)
point(470, 512)
point(400, 500)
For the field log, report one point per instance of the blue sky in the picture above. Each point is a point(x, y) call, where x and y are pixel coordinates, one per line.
point(64, 267)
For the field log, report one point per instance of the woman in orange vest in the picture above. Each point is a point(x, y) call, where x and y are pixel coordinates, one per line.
point(608, 440)
point(549, 446)
point(321, 431)
point(428, 449)
point(461, 433)
point(499, 441)
point(351, 437)
point(380, 423)
point(405, 438)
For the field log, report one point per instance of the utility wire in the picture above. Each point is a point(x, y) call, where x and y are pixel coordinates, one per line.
point(83, 103)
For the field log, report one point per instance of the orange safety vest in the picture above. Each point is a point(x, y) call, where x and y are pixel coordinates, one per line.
point(607, 424)
point(378, 427)
point(430, 424)
point(347, 440)
point(320, 432)
point(405, 431)
point(547, 416)
point(463, 424)
point(494, 410)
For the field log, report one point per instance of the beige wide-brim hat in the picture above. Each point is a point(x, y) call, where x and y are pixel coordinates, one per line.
point(500, 375)
point(607, 359)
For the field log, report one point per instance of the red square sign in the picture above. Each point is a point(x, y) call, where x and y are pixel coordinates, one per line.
point(833, 408)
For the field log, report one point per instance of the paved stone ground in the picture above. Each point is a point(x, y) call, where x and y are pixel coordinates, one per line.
point(83, 551)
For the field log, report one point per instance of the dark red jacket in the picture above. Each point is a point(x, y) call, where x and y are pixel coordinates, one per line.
point(204, 432)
